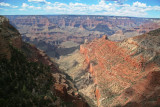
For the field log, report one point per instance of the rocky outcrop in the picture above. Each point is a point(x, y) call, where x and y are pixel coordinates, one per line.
point(8, 36)
point(125, 72)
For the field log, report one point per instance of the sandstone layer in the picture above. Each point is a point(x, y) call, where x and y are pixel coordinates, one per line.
point(125, 73)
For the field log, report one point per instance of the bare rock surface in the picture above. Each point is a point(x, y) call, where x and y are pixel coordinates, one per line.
point(124, 71)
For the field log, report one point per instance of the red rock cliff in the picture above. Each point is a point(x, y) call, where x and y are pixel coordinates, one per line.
point(127, 72)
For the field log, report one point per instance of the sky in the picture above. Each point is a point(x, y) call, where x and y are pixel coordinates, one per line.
point(132, 8)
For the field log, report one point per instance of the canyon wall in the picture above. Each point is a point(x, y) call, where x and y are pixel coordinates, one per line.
point(54, 33)
point(28, 75)
point(125, 73)
point(50, 32)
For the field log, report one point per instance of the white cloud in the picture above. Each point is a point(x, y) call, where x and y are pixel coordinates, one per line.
point(56, 6)
point(157, 8)
point(26, 6)
point(139, 4)
point(137, 9)
point(14, 6)
point(33, 7)
point(80, 8)
point(7, 5)
point(77, 7)
point(102, 2)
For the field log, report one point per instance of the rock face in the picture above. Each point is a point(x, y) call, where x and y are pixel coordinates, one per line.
point(61, 87)
point(125, 73)
point(49, 32)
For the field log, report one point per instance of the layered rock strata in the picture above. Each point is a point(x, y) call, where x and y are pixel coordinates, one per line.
point(127, 72)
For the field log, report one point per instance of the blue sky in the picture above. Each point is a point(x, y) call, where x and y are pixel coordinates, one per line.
point(135, 8)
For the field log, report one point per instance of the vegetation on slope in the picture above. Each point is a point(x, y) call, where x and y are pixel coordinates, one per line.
point(28, 77)
point(24, 83)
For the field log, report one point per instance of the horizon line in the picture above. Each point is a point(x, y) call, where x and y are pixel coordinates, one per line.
point(77, 15)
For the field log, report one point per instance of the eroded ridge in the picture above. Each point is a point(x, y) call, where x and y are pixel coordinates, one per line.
point(124, 71)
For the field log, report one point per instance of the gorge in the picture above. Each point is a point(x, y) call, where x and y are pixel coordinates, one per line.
point(96, 61)
point(59, 35)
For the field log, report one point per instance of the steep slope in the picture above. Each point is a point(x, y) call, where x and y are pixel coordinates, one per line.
point(112, 74)
point(29, 77)
point(8, 34)
point(125, 73)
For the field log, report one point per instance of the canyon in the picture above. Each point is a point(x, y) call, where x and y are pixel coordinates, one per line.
point(59, 35)
point(29, 77)
point(96, 61)
point(111, 74)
